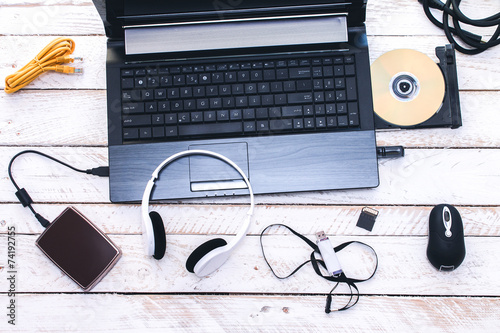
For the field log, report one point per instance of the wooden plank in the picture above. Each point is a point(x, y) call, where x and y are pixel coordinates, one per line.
point(196, 219)
point(15, 52)
point(40, 19)
point(249, 313)
point(477, 73)
point(403, 268)
point(384, 17)
point(422, 177)
point(79, 118)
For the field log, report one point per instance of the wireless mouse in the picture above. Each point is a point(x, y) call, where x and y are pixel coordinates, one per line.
point(446, 245)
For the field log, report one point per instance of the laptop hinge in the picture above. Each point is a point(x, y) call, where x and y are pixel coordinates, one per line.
point(236, 33)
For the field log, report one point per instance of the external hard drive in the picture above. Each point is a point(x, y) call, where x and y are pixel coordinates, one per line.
point(78, 248)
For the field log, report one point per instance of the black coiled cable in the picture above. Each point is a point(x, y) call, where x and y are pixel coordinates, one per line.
point(474, 42)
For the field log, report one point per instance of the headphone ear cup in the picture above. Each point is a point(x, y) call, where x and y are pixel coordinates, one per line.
point(201, 251)
point(159, 235)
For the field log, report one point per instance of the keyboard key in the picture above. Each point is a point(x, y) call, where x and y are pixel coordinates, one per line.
point(299, 73)
point(275, 112)
point(170, 131)
point(179, 80)
point(183, 117)
point(166, 81)
point(127, 72)
point(349, 70)
point(171, 118)
point(304, 85)
point(215, 128)
point(261, 113)
point(340, 95)
point(319, 97)
point(262, 126)
point(281, 124)
point(209, 116)
point(353, 114)
point(338, 70)
point(217, 77)
point(291, 111)
point(235, 115)
point(298, 123)
point(153, 81)
point(160, 93)
point(243, 76)
point(317, 72)
point(147, 95)
point(341, 108)
point(249, 114)
point(223, 115)
point(130, 133)
point(127, 83)
point(131, 96)
point(256, 75)
point(351, 90)
point(330, 109)
point(331, 122)
point(320, 122)
point(151, 107)
point(197, 117)
point(342, 121)
point(298, 98)
point(158, 132)
point(158, 119)
point(140, 82)
point(249, 126)
point(136, 120)
point(133, 108)
point(282, 74)
point(163, 106)
point(145, 133)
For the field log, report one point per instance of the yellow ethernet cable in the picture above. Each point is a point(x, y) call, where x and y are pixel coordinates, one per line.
point(49, 59)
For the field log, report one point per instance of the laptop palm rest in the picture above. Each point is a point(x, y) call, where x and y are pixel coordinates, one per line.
point(210, 174)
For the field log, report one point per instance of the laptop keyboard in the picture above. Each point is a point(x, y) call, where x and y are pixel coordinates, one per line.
point(234, 98)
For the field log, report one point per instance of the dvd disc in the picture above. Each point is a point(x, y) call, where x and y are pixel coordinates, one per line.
point(408, 87)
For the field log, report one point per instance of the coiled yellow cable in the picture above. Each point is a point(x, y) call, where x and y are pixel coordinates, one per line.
point(49, 59)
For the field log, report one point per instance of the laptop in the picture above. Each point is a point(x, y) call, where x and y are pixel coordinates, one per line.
point(282, 88)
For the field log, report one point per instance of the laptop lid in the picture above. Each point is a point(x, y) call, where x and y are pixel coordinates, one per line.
point(118, 14)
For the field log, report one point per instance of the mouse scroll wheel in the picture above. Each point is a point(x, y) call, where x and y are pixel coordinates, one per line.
point(447, 221)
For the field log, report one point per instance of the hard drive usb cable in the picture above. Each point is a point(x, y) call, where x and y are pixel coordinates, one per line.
point(23, 195)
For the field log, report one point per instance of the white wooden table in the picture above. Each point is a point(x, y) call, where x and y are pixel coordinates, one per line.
point(65, 116)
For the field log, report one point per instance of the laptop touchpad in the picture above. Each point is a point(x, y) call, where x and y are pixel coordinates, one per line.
point(211, 174)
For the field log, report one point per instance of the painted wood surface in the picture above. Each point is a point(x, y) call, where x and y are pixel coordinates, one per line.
point(66, 116)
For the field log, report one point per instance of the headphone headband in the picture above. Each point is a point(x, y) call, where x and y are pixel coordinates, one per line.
point(148, 228)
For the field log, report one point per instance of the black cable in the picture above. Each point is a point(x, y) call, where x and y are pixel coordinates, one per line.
point(23, 195)
point(342, 278)
point(474, 42)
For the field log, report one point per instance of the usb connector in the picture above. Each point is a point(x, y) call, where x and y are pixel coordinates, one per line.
point(328, 254)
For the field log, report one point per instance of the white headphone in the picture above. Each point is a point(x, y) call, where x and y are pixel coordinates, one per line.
point(208, 256)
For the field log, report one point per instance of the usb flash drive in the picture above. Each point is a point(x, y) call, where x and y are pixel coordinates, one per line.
point(328, 254)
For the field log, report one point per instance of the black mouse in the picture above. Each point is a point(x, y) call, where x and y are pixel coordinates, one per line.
point(446, 245)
